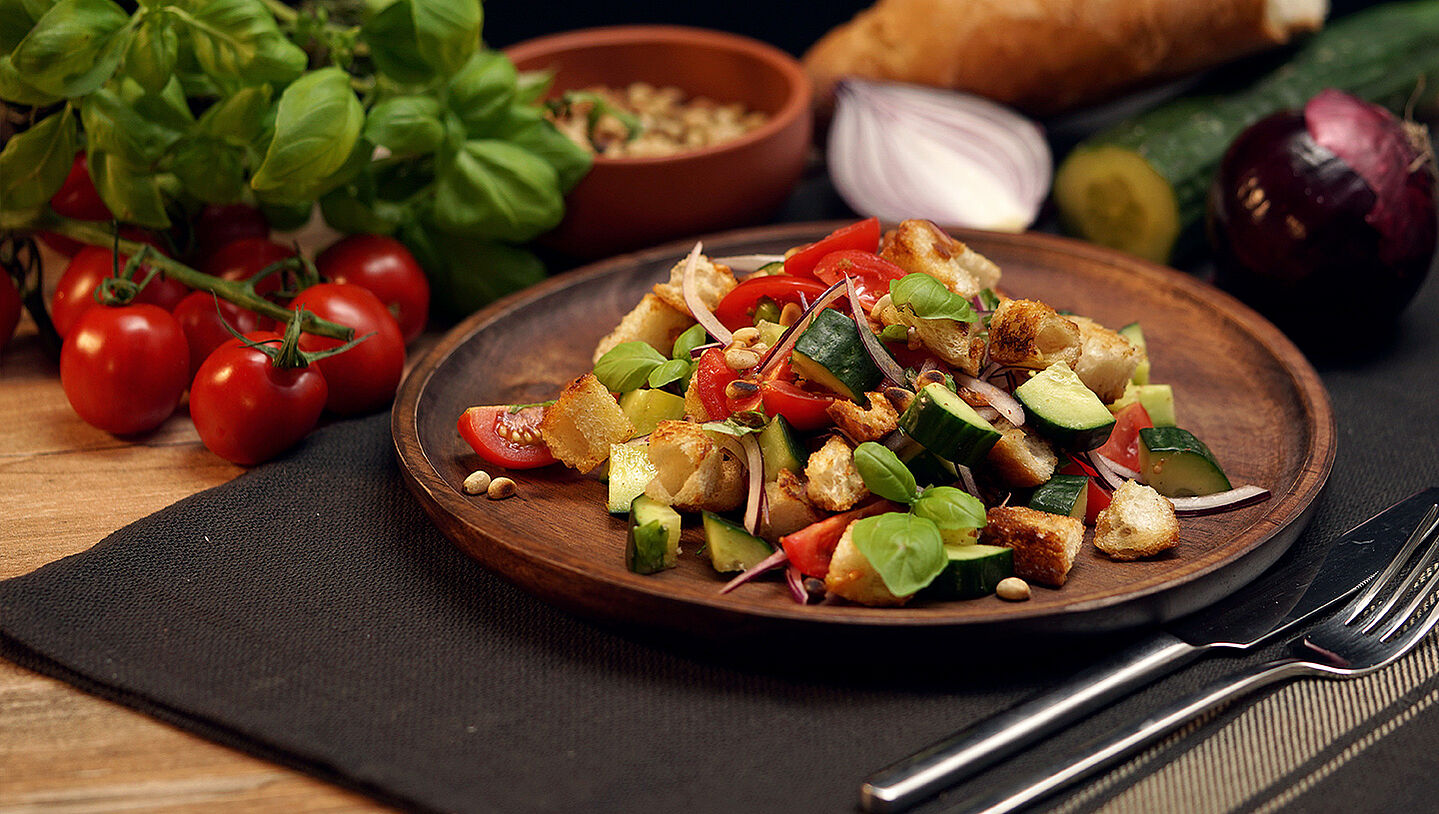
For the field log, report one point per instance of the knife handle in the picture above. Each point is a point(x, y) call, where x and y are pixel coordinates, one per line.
point(915, 779)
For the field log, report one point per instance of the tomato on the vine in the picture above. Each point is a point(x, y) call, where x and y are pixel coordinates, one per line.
point(862, 236)
point(203, 317)
point(124, 368)
point(244, 258)
point(506, 435)
point(246, 409)
point(736, 309)
point(805, 411)
point(363, 378)
point(385, 267)
point(9, 309)
point(75, 292)
point(77, 197)
point(871, 273)
point(219, 225)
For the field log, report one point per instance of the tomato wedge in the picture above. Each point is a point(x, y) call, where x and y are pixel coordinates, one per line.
point(871, 273)
point(862, 236)
point(506, 435)
point(736, 309)
point(1123, 444)
point(711, 378)
point(811, 548)
point(805, 411)
point(1096, 498)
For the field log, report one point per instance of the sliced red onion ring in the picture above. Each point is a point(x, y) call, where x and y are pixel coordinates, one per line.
point(702, 315)
point(696, 353)
point(754, 461)
point(966, 476)
point(886, 364)
point(795, 581)
point(769, 563)
point(1109, 471)
point(782, 348)
point(1220, 501)
point(1007, 405)
point(747, 263)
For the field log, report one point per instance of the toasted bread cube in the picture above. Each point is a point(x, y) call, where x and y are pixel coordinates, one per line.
point(919, 246)
point(1020, 458)
point(862, 424)
point(1138, 522)
point(834, 483)
point(789, 510)
point(1044, 544)
point(1107, 360)
point(581, 425)
point(1030, 334)
point(653, 322)
point(694, 406)
point(692, 472)
point(712, 282)
point(960, 344)
point(853, 577)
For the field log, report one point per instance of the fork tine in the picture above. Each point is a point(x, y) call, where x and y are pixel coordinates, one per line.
point(1431, 556)
point(1423, 530)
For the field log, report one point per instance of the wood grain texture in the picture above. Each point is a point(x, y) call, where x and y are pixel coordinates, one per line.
point(1239, 385)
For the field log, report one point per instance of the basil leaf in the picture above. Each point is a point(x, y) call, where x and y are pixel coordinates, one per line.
point(153, 51)
point(15, 22)
point(346, 210)
point(317, 126)
point(238, 40)
point(447, 32)
point(627, 366)
point(531, 86)
point(466, 273)
point(883, 473)
point(34, 163)
point(894, 333)
point(988, 299)
point(74, 48)
point(527, 127)
point(14, 88)
point(132, 192)
point(748, 422)
point(285, 216)
point(950, 508)
point(905, 550)
point(239, 118)
point(406, 125)
point(693, 337)
point(391, 38)
point(482, 92)
point(210, 170)
point(490, 189)
point(671, 370)
point(168, 108)
point(927, 298)
point(117, 128)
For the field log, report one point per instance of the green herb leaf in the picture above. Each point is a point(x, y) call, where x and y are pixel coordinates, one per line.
point(15, 22)
point(527, 127)
point(131, 192)
point(671, 370)
point(211, 170)
point(14, 88)
point(115, 127)
point(317, 125)
point(238, 40)
point(894, 333)
point(491, 189)
point(988, 299)
point(239, 118)
point(74, 48)
point(907, 551)
point(390, 36)
point(927, 298)
point(166, 108)
point(627, 366)
point(34, 163)
point(346, 210)
point(466, 273)
point(883, 473)
point(748, 422)
point(950, 508)
point(153, 52)
point(482, 93)
point(685, 343)
point(407, 125)
point(447, 32)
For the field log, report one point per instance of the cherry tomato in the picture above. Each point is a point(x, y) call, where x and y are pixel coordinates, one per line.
point(871, 273)
point(811, 548)
point(75, 292)
point(77, 197)
point(124, 368)
point(59, 243)
point(805, 411)
point(246, 410)
point(506, 436)
point(862, 236)
point(385, 267)
point(1123, 444)
point(1096, 497)
point(363, 378)
point(9, 308)
point(711, 378)
point(219, 225)
point(736, 309)
point(244, 258)
point(203, 317)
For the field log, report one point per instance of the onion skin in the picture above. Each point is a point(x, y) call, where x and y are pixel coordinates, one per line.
point(1290, 222)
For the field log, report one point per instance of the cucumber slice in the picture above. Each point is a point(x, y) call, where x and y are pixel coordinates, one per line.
point(928, 469)
point(730, 547)
point(942, 423)
point(654, 539)
point(831, 354)
point(1134, 335)
point(972, 571)
point(1177, 464)
point(1062, 494)
point(769, 332)
point(1113, 196)
point(1063, 410)
point(781, 449)
point(647, 408)
point(629, 473)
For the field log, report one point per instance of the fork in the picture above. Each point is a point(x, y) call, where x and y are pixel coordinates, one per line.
point(1363, 636)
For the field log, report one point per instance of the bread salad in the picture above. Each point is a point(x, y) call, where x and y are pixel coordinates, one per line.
point(871, 419)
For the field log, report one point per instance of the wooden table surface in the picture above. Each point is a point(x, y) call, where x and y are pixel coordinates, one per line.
point(66, 486)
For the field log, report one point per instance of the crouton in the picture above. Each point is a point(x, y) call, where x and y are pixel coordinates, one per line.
point(712, 282)
point(960, 344)
point(852, 577)
point(1021, 459)
point(788, 509)
point(862, 424)
point(920, 246)
point(1107, 360)
point(1030, 334)
point(581, 425)
point(1044, 544)
point(653, 322)
point(692, 472)
point(834, 483)
point(1139, 522)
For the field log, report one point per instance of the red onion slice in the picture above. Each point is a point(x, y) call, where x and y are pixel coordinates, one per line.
point(886, 364)
point(754, 461)
point(1007, 405)
point(767, 564)
point(702, 315)
point(1220, 501)
point(782, 348)
point(1109, 471)
point(795, 581)
point(748, 263)
point(966, 476)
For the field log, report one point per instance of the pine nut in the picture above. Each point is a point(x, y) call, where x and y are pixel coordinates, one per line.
point(1012, 589)
point(899, 397)
point(746, 336)
point(740, 388)
point(477, 482)
point(740, 358)
point(790, 314)
point(500, 488)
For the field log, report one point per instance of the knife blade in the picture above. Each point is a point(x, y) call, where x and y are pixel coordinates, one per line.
point(1300, 586)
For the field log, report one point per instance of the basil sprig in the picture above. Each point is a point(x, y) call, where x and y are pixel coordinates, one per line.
point(906, 550)
point(884, 474)
point(631, 365)
point(950, 509)
point(927, 298)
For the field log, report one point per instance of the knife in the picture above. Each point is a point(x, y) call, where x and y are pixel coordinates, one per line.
point(1302, 584)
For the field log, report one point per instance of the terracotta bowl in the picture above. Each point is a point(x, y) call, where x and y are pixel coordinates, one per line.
point(630, 203)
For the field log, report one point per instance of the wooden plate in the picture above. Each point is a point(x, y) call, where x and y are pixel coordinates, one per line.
point(1239, 385)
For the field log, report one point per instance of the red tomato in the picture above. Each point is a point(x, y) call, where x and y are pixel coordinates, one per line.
point(1096, 497)
point(363, 378)
point(9, 308)
point(124, 368)
point(203, 317)
point(219, 225)
point(871, 273)
point(77, 197)
point(246, 257)
point(811, 548)
point(60, 244)
point(805, 411)
point(736, 309)
point(506, 436)
point(75, 292)
point(385, 267)
point(1123, 444)
point(246, 410)
point(862, 236)
point(711, 378)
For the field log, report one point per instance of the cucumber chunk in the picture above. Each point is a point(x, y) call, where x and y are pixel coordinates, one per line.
point(972, 571)
point(944, 424)
point(1134, 335)
point(831, 354)
point(1158, 401)
point(654, 539)
point(1177, 464)
point(629, 473)
point(928, 469)
point(647, 408)
point(1062, 494)
point(1063, 410)
point(730, 547)
point(781, 449)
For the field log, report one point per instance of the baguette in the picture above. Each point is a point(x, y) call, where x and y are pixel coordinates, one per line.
point(1048, 56)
